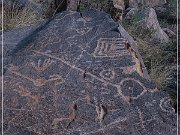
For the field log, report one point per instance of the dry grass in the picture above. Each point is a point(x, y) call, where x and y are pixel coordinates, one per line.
point(18, 16)
point(159, 61)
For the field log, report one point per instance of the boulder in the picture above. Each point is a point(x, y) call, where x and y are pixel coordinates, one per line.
point(146, 23)
point(145, 3)
point(73, 5)
point(151, 23)
point(169, 32)
point(130, 13)
point(79, 75)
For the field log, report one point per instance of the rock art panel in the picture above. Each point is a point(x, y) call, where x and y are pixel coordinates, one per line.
point(85, 83)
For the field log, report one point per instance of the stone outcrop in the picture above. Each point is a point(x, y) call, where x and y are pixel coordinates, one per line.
point(146, 23)
point(151, 23)
point(145, 3)
point(77, 75)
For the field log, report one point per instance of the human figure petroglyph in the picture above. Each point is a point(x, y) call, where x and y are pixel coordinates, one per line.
point(57, 79)
point(41, 66)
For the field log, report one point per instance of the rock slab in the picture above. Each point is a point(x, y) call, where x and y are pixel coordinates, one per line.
point(79, 76)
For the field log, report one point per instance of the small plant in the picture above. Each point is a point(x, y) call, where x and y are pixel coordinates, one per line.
point(172, 2)
point(16, 15)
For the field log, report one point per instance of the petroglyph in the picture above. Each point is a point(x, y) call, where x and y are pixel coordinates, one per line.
point(110, 47)
point(83, 31)
point(128, 70)
point(107, 74)
point(101, 88)
point(128, 98)
point(57, 79)
point(56, 121)
point(32, 99)
point(26, 93)
point(142, 121)
point(165, 105)
point(42, 66)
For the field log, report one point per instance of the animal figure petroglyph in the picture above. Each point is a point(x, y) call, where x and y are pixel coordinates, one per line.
point(57, 79)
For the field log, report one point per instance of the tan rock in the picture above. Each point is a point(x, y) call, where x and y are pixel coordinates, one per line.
point(151, 23)
point(119, 4)
point(72, 5)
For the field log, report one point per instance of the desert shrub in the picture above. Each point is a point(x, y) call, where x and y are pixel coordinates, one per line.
point(16, 15)
point(102, 5)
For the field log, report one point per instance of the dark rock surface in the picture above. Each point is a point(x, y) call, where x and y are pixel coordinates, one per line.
point(78, 76)
point(13, 37)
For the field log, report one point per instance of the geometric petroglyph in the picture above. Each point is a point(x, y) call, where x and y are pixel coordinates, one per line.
point(111, 47)
point(165, 105)
point(107, 74)
point(83, 31)
point(41, 66)
point(131, 88)
point(128, 70)
point(57, 79)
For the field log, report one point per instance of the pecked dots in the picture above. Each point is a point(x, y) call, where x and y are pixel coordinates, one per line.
point(132, 88)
